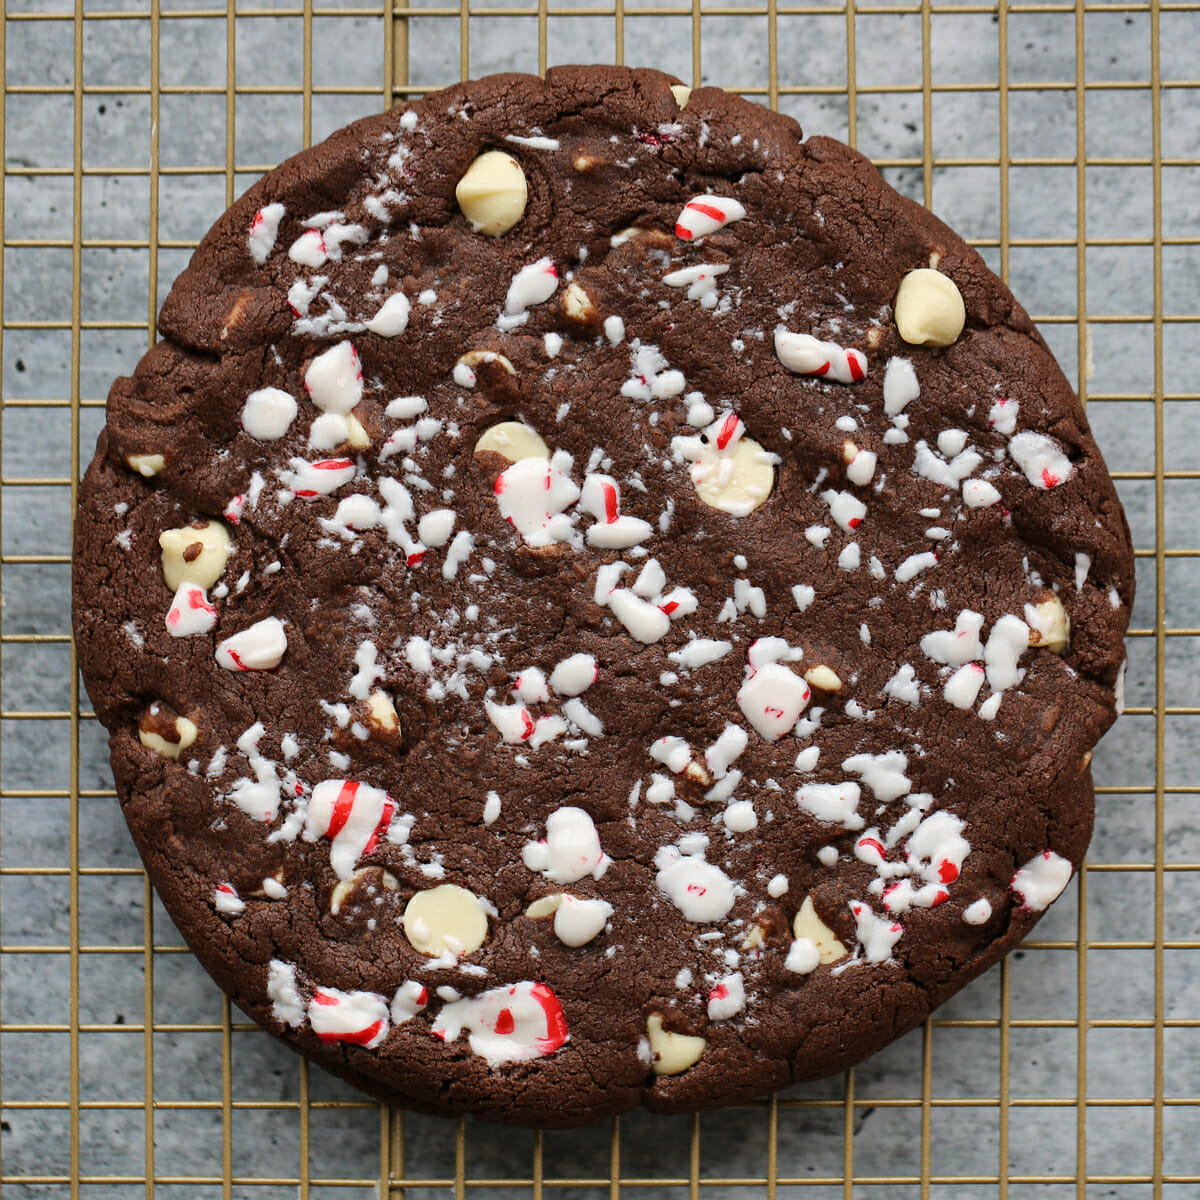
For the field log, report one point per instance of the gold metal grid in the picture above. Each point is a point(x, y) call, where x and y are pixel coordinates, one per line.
point(613, 1159)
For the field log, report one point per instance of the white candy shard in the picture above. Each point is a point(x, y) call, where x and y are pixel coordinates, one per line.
point(577, 922)
point(703, 215)
point(978, 913)
point(1044, 464)
point(287, 1005)
point(962, 688)
point(268, 414)
point(861, 468)
point(334, 379)
point(726, 750)
point(309, 249)
point(773, 697)
point(957, 647)
point(914, 564)
point(531, 285)
point(259, 648)
point(882, 773)
point(352, 816)
point(804, 354)
point(700, 281)
point(573, 676)
point(1041, 880)
point(392, 318)
point(264, 229)
point(506, 1024)
point(571, 849)
point(1006, 643)
point(702, 892)
point(832, 803)
point(978, 493)
point(937, 470)
point(900, 386)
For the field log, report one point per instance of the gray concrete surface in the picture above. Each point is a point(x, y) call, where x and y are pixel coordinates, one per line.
point(1043, 983)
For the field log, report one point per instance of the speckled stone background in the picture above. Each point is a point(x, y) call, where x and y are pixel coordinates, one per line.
point(927, 1117)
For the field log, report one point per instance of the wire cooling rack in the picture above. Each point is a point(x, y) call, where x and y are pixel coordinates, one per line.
point(1063, 138)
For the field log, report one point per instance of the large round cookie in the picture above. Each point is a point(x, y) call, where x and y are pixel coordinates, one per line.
point(564, 649)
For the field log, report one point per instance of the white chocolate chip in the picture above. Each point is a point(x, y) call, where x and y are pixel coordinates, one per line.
point(344, 887)
point(186, 733)
point(182, 563)
point(356, 435)
point(824, 678)
point(513, 441)
point(808, 925)
point(682, 94)
point(673, 1052)
point(382, 712)
point(735, 483)
point(577, 304)
point(1049, 625)
point(476, 358)
point(929, 309)
point(493, 193)
point(546, 906)
point(445, 919)
point(148, 465)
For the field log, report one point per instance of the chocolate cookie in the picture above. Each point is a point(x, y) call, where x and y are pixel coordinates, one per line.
point(598, 602)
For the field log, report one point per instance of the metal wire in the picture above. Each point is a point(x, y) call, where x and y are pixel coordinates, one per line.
point(397, 1166)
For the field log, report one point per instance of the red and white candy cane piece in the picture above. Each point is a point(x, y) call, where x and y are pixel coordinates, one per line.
point(352, 816)
point(601, 498)
point(190, 612)
point(937, 849)
point(703, 215)
point(310, 480)
point(804, 354)
point(507, 1024)
point(263, 231)
point(411, 999)
point(259, 648)
point(360, 1018)
point(235, 508)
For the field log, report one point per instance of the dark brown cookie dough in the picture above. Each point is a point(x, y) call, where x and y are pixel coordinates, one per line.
point(693, 734)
